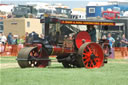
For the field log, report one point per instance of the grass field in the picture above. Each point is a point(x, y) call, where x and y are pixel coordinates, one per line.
point(113, 73)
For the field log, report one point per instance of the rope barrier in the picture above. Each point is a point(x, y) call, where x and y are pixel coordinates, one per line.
point(10, 50)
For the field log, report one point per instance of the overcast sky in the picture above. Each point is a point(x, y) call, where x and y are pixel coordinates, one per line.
point(70, 3)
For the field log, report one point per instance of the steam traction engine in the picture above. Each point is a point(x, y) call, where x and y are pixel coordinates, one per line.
point(76, 50)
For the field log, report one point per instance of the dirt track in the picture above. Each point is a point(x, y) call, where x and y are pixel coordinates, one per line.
point(8, 65)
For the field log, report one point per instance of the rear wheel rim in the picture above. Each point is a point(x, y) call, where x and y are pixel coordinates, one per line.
point(92, 55)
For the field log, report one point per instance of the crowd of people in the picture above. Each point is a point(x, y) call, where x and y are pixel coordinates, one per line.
point(11, 39)
point(123, 44)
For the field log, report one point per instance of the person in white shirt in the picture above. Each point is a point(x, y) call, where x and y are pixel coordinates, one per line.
point(3, 39)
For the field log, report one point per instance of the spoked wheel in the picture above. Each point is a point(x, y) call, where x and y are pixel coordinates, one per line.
point(91, 55)
point(30, 57)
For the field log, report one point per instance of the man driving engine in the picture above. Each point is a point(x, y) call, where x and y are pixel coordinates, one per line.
point(92, 32)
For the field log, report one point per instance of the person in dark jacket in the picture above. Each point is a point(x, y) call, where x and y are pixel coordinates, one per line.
point(10, 38)
point(92, 32)
point(33, 36)
point(124, 44)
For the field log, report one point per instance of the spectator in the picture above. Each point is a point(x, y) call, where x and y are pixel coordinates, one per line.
point(104, 37)
point(20, 40)
point(92, 31)
point(0, 38)
point(111, 42)
point(124, 43)
point(42, 36)
point(70, 37)
point(3, 39)
point(10, 38)
point(26, 37)
point(1, 46)
point(14, 41)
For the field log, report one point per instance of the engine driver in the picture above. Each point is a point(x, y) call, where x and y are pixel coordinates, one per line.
point(92, 32)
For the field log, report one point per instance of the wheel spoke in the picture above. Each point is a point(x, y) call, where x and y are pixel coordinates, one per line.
point(94, 51)
point(89, 49)
point(92, 63)
point(97, 60)
point(86, 65)
point(87, 54)
point(86, 57)
point(87, 60)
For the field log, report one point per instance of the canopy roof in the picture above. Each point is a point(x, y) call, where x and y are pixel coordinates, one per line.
point(86, 22)
point(79, 21)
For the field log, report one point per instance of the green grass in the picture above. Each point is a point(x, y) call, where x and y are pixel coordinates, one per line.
point(110, 74)
point(118, 60)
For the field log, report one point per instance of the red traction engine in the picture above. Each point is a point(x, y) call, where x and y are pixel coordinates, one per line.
point(76, 52)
